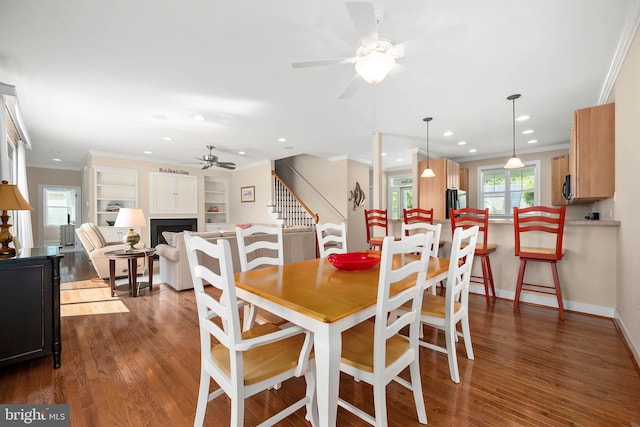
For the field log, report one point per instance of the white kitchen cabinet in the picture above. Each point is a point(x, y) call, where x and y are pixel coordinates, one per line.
point(173, 193)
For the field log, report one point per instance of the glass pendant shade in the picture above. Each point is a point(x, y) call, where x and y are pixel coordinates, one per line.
point(428, 172)
point(514, 162)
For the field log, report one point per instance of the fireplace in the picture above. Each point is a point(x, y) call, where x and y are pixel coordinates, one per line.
point(158, 225)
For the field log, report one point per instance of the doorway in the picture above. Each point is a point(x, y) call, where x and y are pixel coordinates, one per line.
point(60, 211)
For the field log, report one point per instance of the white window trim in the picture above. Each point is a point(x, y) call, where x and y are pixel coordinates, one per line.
point(537, 194)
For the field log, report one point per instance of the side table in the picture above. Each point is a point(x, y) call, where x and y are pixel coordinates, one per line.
point(132, 261)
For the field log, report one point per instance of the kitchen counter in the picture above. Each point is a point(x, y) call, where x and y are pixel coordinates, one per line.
point(587, 271)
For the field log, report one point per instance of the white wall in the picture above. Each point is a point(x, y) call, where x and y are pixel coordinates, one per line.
point(258, 176)
point(627, 204)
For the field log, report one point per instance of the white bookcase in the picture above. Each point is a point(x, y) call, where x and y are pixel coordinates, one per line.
point(216, 201)
point(114, 188)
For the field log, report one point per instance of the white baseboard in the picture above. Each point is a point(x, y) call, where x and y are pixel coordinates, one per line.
point(550, 301)
point(635, 348)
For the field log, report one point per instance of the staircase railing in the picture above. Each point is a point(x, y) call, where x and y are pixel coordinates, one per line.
point(315, 190)
point(291, 210)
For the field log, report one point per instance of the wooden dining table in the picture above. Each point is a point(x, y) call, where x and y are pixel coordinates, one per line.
point(317, 296)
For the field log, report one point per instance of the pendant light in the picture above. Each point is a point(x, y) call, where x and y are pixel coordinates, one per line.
point(514, 162)
point(428, 172)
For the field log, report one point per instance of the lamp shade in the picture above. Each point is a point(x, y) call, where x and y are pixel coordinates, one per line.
point(11, 199)
point(130, 217)
point(374, 66)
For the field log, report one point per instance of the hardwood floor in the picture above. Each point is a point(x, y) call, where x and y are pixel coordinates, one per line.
point(137, 363)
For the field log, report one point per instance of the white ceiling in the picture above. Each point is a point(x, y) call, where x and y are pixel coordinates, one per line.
point(116, 77)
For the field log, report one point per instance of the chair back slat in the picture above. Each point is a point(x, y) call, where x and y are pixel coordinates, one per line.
point(424, 227)
point(470, 217)
point(332, 238)
point(253, 254)
point(225, 308)
point(417, 215)
point(414, 271)
point(376, 218)
point(460, 264)
point(541, 219)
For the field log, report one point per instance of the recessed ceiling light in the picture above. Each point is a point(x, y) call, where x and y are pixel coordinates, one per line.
point(282, 139)
point(462, 143)
point(57, 160)
point(147, 152)
point(241, 152)
point(532, 141)
point(383, 154)
point(399, 160)
point(523, 118)
point(166, 138)
point(527, 132)
point(473, 150)
point(448, 133)
point(199, 117)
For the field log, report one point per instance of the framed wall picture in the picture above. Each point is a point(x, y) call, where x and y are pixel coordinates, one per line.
point(248, 194)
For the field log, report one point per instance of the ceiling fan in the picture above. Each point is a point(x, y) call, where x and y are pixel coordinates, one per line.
point(376, 57)
point(209, 160)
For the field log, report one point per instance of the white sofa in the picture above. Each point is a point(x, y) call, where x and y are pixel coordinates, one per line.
point(96, 246)
point(299, 244)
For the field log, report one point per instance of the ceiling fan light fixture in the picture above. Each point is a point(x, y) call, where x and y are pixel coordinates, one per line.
point(514, 162)
point(375, 65)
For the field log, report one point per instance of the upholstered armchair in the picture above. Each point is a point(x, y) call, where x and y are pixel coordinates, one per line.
point(96, 246)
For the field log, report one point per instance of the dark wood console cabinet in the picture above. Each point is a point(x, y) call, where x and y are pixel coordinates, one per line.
point(30, 306)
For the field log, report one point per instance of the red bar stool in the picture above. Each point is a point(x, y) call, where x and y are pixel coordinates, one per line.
point(466, 218)
point(376, 218)
point(539, 219)
point(410, 216)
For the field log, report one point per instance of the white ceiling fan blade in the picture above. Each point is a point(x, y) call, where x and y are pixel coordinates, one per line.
point(364, 19)
point(353, 86)
point(417, 45)
point(323, 62)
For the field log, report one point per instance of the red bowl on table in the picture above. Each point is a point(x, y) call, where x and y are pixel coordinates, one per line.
point(352, 261)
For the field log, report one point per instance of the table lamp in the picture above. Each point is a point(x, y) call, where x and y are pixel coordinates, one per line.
point(130, 217)
point(10, 200)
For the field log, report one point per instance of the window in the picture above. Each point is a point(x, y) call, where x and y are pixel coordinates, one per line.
point(60, 206)
point(502, 189)
point(400, 195)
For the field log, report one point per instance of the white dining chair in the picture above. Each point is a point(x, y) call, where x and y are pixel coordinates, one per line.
point(445, 312)
point(258, 245)
point(332, 238)
point(424, 227)
point(242, 363)
point(375, 352)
